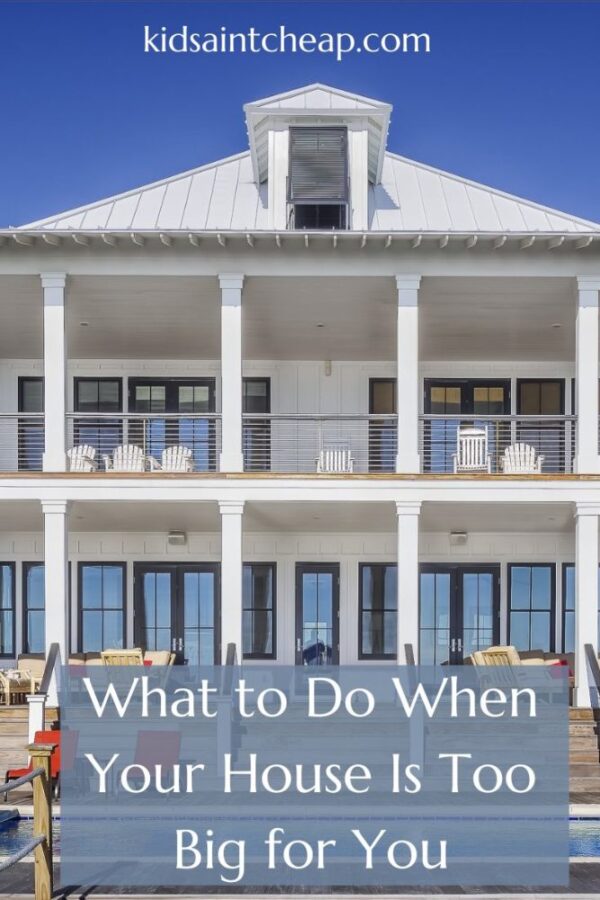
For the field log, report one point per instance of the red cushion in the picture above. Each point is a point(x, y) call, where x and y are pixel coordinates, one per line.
point(147, 662)
point(17, 773)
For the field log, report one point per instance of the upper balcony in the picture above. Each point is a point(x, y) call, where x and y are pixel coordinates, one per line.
point(330, 380)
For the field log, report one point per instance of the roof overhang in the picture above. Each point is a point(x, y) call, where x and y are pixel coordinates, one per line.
point(316, 104)
point(550, 241)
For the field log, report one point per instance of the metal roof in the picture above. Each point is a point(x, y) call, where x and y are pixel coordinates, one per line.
point(412, 198)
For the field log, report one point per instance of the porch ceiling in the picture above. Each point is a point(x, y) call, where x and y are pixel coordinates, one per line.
point(307, 318)
point(497, 517)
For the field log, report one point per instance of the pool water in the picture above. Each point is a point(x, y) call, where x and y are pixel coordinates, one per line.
point(584, 836)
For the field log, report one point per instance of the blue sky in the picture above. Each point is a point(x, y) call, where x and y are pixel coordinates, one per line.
point(509, 94)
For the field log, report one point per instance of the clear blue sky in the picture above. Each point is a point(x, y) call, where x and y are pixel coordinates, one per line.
point(509, 94)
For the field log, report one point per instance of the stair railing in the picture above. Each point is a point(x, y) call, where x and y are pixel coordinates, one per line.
point(592, 661)
point(41, 842)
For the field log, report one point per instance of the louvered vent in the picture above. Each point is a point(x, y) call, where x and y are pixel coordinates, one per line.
point(318, 165)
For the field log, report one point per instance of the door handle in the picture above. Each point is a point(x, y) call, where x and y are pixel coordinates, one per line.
point(180, 647)
point(299, 645)
point(453, 645)
point(459, 648)
point(174, 644)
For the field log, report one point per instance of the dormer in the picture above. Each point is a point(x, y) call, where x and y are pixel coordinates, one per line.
point(318, 149)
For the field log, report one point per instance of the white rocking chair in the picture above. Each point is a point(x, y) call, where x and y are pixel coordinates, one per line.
point(82, 458)
point(125, 458)
point(472, 450)
point(173, 459)
point(335, 459)
point(522, 459)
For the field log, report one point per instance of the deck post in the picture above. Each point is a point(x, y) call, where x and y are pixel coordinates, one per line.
point(408, 578)
point(407, 378)
point(42, 820)
point(231, 458)
point(55, 367)
point(231, 576)
point(587, 460)
point(36, 718)
point(586, 599)
point(56, 584)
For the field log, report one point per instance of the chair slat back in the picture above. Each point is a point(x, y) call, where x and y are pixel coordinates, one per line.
point(177, 459)
point(128, 458)
point(471, 448)
point(335, 459)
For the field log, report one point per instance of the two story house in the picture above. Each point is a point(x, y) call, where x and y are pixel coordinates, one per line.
point(316, 400)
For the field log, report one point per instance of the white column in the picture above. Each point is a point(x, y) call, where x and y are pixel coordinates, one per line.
point(408, 577)
point(56, 582)
point(231, 459)
point(231, 576)
point(586, 597)
point(55, 364)
point(586, 383)
point(407, 383)
point(358, 162)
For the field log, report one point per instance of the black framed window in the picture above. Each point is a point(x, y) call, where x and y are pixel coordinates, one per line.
point(568, 611)
point(98, 395)
point(259, 609)
point(34, 606)
point(31, 432)
point(378, 611)
point(544, 398)
point(382, 432)
point(531, 606)
point(7, 610)
point(102, 603)
point(256, 400)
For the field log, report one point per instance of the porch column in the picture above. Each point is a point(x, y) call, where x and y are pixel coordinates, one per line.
point(408, 578)
point(231, 576)
point(407, 379)
point(231, 459)
point(586, 383)
point(55, 364)
point(586, 598)
point(56, 582)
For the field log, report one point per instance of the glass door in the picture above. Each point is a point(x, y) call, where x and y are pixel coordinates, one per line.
point(382, 433)
point(458, 612)
point(188, 399)
point(31, 431)
point(256, 435)
point(177, 609)
point(543, 397)
point(317, 614)
point(468, 397)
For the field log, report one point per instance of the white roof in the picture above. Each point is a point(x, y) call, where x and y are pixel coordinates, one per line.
point(411, 198)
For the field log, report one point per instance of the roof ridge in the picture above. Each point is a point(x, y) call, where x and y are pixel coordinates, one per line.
point(461, 179)
point(169, 179)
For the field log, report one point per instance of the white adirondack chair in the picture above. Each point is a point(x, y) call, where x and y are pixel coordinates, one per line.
point(125, 458)
point(82, 458)
point(472, 450)
point(522, 459)
point(335, 458)
point(174, 459)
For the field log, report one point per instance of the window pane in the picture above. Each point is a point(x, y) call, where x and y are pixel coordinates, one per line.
point(112, 587)
point(520, 587)
point(569, 590)
point(569, 633)
point(35, 587)
point(32, 395)
point(109, 396)
point(529, 398)
point(258, 631)
point(383, 397)
point(541, 587)
point(540, 631)
point(35, 631)
point(91, 639)
point(551, 398)
point(427, 600)
point(113, 630)
point(519, 630)
point(86, 396)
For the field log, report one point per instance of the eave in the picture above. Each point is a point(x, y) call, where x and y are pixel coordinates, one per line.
point(167, 240)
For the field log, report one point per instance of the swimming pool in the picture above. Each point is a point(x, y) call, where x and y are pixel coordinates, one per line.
point(15, 832)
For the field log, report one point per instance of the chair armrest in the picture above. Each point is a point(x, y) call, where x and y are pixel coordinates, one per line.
point(107, 461)
point(540, 463)
point(153, 463)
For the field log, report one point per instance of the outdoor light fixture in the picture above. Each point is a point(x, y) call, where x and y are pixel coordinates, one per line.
point(458, 538)
point(177, 539)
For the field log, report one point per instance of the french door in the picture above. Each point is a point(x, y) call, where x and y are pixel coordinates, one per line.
point(317, 614)
point(462, 397)
point(544, 398)
point(177, 608)
point(188, 399)
point(459, 609)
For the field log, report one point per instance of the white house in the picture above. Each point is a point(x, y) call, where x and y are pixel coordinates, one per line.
point(315, 399)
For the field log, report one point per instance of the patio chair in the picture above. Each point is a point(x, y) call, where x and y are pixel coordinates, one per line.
point(521, 459)
point(125, 458)
point(118, 657)
point(471, 450)
point(47, 737)
point(173, 459)
point(82, 458)
point(335, 458)
point(24, 678)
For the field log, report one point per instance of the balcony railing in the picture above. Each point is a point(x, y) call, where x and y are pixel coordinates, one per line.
point(319, 443)
point(21, 442)
point(552, 437)
point(153, 434)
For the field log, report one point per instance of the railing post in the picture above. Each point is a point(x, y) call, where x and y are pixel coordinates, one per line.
point(42, 820)
point(36, 714)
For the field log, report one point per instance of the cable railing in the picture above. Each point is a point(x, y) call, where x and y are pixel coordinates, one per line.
point(503, 444)
point(325, 444)
point(41, 843)
point(21, 442)
point(179, 442)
